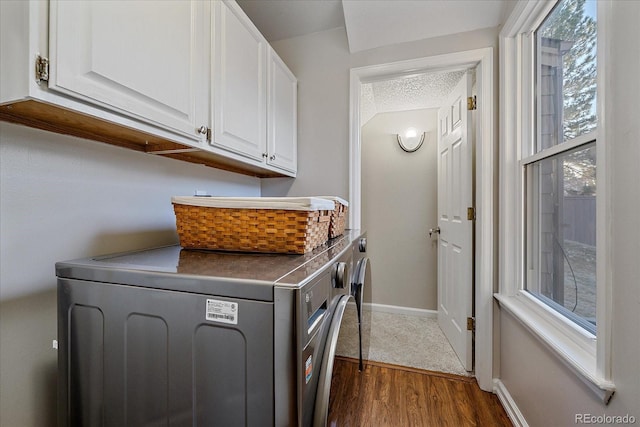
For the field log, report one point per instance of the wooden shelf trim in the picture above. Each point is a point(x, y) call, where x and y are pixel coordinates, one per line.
point(60, 120)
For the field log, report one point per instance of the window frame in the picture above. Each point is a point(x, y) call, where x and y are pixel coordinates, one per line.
point(578, 349)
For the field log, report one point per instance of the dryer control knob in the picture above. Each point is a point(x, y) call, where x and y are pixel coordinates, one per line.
point(362, 246)
point(339, 275)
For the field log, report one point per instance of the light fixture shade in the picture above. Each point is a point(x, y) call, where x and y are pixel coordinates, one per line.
point(411, 140)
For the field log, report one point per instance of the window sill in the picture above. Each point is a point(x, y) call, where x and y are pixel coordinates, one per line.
point(577, 354)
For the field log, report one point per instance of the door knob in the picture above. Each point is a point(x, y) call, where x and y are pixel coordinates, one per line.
point(434, 230)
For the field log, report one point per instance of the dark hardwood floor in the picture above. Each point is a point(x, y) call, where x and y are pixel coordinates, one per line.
point(388, 395)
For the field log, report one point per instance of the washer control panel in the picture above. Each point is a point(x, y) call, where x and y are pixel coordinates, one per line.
point(339, 275)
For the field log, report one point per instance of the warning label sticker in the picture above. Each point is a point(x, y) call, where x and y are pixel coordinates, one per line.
point(222, 311)
point(308, 370)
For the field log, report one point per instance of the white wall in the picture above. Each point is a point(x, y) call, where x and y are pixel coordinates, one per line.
point(544, 390)
point(399, 205)
point(321, 62)
point(64, 198)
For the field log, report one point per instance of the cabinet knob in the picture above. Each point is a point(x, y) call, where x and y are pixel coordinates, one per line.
point(202, 130)
point(273, 157)
point(265, 155)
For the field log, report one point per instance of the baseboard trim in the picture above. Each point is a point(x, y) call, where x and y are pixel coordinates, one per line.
point(509, 405)
point(395, 309)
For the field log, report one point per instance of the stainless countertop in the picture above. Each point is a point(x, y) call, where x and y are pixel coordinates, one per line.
point(207, 272)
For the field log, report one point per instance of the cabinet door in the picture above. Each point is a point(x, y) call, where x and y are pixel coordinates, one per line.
point(239, 83)
point(282, 138)
point(145, 59)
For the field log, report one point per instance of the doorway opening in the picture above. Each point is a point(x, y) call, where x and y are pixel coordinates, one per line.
point(482, 61)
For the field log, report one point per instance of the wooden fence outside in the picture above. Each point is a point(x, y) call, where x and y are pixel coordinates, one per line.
point(580, 219)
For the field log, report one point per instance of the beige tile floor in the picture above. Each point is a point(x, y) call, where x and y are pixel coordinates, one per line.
point(398, 339)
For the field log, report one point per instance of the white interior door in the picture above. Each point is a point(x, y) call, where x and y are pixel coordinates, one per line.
point(455, 246)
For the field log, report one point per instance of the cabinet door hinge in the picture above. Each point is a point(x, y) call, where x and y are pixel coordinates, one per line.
point(471, 103)
point(208, 134)
point(42, 69)
point(471, 324)
point(471, 214)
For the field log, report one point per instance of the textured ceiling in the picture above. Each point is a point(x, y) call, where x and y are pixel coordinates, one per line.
point(406, 93)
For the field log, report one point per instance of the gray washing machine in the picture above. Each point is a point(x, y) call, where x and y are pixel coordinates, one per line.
point(357, 304)
point(177, 337)
point(361, 292)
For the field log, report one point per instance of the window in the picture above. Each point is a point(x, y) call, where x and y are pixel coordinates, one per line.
point(560, 172)
point(565, 50)
point(561, 233)
point(553, 182)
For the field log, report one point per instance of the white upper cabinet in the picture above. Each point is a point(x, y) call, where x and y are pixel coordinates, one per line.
point(192, 80)
point(146, 59)
point(239, 83)
point(254, 94)
point(282, 115)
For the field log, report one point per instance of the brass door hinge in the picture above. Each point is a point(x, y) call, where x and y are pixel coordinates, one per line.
point(471, 214)
point(471, 324)
point(472, 103)
point(42, 69)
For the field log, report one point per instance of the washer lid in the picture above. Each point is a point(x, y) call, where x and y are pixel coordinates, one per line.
point(229, 274)
point(232, 274)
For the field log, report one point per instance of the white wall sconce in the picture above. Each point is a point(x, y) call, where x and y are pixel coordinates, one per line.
point(411, 140)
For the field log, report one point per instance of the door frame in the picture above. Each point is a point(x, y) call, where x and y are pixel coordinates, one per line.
point(485, 178)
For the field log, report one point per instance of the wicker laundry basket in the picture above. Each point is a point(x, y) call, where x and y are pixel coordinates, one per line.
point(338, 216)
point(256, 224)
